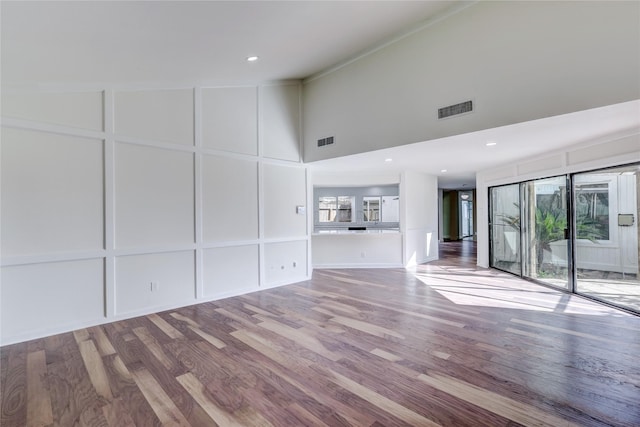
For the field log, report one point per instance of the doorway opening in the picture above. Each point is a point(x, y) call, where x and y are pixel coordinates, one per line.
point(458, 215)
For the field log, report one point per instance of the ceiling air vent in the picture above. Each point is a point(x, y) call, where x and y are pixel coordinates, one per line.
point(325, 141)
point(454, 110)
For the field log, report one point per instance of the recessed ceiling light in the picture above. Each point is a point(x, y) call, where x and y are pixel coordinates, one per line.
point(443, 170)
point(252, 58)
point(388, 160)
point(491, 143)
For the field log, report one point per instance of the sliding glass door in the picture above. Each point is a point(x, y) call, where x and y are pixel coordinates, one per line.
point(578, 232)
point(505, 228)
point(545, 235)
point(606, 214)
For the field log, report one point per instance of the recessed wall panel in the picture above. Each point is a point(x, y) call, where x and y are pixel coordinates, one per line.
point(230, 270)
point(159, 115)
point(501, 173)
point(539, 165)
point(284, 190)
point(74, 109)
point(229, 199)
point(146, 282)
point(154, 197)
point(285, 262)
point(41, 299)
point(230, 119)
point(280, 112)
point(52, 193)
point(621, 146)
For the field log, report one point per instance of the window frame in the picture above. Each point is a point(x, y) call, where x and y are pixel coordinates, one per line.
point(357, 195)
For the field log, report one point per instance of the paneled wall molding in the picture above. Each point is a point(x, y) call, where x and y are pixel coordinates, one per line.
point(198, 194)
point(285, 240)
point(16, 123)
point(229, 154)
point(109, 205)
point(155, 144)
point(173, 209)
point(8, 261)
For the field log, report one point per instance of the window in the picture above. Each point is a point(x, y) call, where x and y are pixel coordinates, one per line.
point(358, 208)
point(592, 211)
point(371, 209)
point(335, 209)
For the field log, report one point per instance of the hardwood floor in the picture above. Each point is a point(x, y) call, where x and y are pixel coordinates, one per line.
point(448, 344)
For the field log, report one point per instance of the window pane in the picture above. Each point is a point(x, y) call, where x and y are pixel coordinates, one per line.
point(344, 209)
point(546, 252)
point(327, 209)
point(606, 254)
point(592, 210)
point(371, 208)
point(505, 228)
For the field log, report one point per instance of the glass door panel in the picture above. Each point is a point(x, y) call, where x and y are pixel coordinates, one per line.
point(505, 228)
point(606, 213)
point(545, 232)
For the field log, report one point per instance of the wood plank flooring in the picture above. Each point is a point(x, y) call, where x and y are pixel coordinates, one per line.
point(446, 345)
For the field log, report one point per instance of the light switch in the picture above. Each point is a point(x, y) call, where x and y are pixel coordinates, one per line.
point(301, 210)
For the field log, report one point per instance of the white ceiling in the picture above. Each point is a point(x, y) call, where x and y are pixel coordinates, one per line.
point(205, 42)
point(185, 43)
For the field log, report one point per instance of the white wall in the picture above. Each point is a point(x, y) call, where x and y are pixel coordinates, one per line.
point(357, 250)
point(602, 152)
point(419, 213)
point(518, 61)
point(105, 192)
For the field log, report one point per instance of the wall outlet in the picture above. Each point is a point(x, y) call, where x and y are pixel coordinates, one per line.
point(155, 286)
point(363, 254)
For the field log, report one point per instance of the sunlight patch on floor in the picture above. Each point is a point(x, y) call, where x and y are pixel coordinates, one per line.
point(512, 293)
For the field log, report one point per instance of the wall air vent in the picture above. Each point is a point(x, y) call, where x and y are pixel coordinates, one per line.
point(325, 141)
point(454, 110)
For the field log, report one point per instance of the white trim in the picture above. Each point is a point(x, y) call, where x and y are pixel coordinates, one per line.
point(10, 122)
point(198, 194)
point(17, 260)
point(155, 144)
point(109, 205)
point(229, 154)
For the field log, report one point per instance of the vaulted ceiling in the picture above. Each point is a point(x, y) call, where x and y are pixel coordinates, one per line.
point(175, 43)
point(207, 42)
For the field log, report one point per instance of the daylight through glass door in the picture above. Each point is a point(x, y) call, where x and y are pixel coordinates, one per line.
point(577, 232)
point(545, 233)
point(606, 213)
